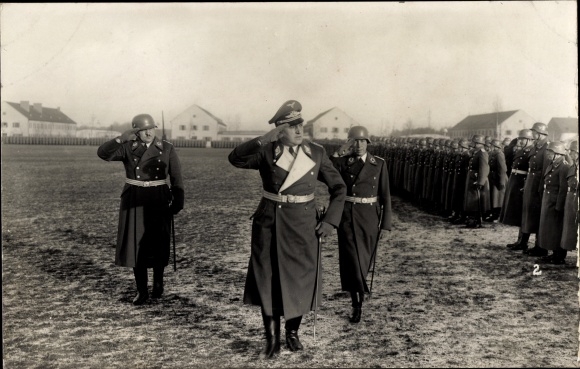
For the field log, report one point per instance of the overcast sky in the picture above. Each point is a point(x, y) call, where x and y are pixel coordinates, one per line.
point(381, 63)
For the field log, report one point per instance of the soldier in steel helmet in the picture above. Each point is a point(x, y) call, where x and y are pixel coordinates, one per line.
point(532, 202)
point(153, 192)
point(511, 210)
point(554, 184)
point(363, 223)
point(284, 269)
point(476, 201)
point(497, 179)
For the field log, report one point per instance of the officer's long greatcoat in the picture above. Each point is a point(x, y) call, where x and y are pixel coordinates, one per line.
point(478, 173)
point(359, 228)
point(497, 177)
point(555, 185)
point(532, 201)
point(461, 167)
point(143, 236)
point(284, 257)
point(570, 228)
point(511, 210)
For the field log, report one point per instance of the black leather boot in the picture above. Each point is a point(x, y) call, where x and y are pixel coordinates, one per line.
point(157, 282)
point(536, 250)
point(272, 330)
point(521, 243)
point(141, 281)
point(292, 340)
point(357, 298)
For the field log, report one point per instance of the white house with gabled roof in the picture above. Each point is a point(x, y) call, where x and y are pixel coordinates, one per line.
point(196, 123)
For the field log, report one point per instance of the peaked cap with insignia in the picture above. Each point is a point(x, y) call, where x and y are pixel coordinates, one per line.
point(289, 113)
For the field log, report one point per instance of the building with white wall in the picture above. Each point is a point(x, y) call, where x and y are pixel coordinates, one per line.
point(497, 125)
point(26, 120)
point(331, 124)
point(196, 123)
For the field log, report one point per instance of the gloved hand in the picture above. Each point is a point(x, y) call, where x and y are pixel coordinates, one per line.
point(178, 200)
point(273, 135)
point(324, 229)
point(129, 135)
point(500, 186)
point(345, 149)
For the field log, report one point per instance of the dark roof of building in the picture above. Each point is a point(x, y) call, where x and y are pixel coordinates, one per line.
point(47, 114)
point(564, 124)
point(482, 121)
point(213, 116)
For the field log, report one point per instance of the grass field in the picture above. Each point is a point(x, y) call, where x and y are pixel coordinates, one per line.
point(443, 296)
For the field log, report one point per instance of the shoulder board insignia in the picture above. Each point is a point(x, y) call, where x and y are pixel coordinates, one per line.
point(317, 144)
point(378, 157)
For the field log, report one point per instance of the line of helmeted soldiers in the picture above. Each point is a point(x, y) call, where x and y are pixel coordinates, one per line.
point(527, 182)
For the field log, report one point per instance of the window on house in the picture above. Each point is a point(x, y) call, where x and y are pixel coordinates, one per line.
point(226, 139)
point(194, 137)
point(194, 127)
point(182, 127)
point(334, 130)
point(508, 132)
point(4, 124)
point(16, 125)
point(206, 128)
point(194, 115)
point(207, 138)
point(346, 130)
point(323, 129)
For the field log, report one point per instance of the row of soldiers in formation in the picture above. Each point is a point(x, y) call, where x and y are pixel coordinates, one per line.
point(526, 182)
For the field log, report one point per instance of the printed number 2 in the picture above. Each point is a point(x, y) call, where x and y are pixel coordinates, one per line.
point(537, 270)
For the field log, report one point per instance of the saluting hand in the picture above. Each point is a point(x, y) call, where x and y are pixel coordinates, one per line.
point(129, 135)
point(346, 148)
point(274, 134)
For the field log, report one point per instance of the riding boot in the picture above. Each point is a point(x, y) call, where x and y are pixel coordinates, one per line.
point(559, 256)
point(292, 340)
point(536, 250)
point(521, 243)
point(141, 281)
point(157, 282)
point(357, 300)
point(272, 329)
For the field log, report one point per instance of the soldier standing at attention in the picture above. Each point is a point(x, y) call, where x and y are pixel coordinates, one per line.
point(511, 210)
point(363, 222)
point(153, 192)
point(555, 185)
point(538, 162)
point(476, 201)
point(497, 179)
point(283, 273)
point(570, 227)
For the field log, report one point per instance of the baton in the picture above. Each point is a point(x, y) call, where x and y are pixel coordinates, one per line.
point(375, 254)
point(319, 214)
point(173, 233)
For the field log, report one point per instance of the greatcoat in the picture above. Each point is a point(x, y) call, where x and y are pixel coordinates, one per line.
point(474, 200)
point(511, 210)
point(461, 167)
point(284, 254)
point(358, 231)
point(570, 228)
point(143, 235)
point(555, 186)
point(497, 177)
point(532, 201)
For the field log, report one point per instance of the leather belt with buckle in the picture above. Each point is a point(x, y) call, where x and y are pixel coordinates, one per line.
point(361, 200)
point(293, 199)
point(160, 182)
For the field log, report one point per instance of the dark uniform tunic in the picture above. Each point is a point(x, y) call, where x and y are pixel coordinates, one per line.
point(478, 173)
point(459, 181)
point(570, 228)
point(511, 210)
point(283, 262)
point(532, 201)
point(359, 227)
point(555, 187)
point(497, 178)
point(144, 218)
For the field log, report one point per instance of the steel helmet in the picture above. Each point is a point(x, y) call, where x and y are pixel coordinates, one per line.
point(496, 143)
point(558, 147)
point(526, 133)
point(464, 142)
point(429, 140)
point(478, 139)
point(143, 121)
point(506, 141)
point(454, 144)
point(540, 128)
point(423, 142)
point(359, 133)
point(574, 146)
point(488, 140)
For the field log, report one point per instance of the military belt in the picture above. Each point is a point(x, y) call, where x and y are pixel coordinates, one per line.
point(517, 171)
point(293, 199)
point(361, 200)
point(160, 182)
